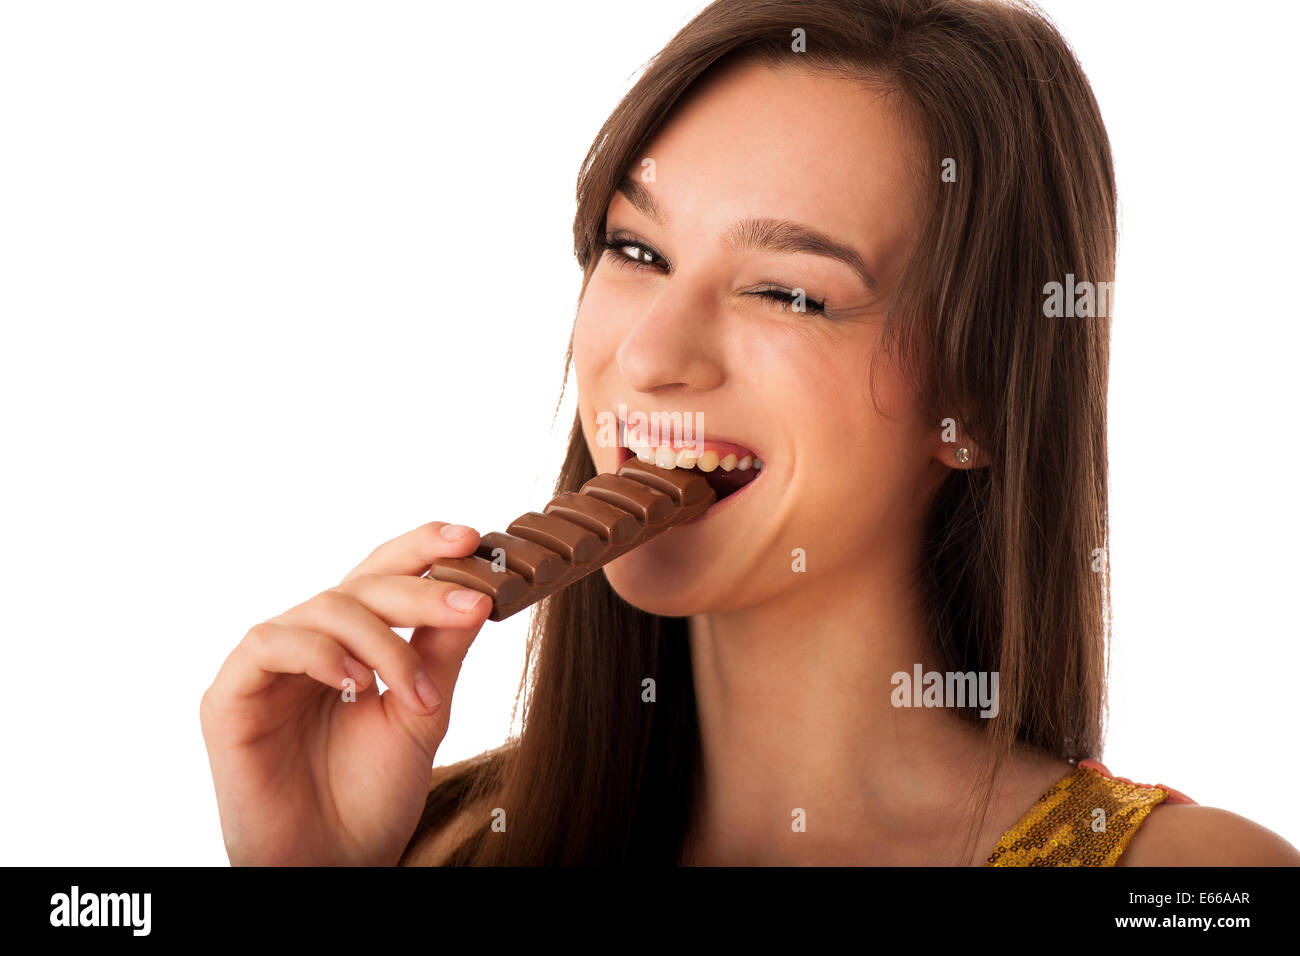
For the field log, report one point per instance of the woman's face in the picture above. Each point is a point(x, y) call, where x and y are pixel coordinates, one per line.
point(694, 313)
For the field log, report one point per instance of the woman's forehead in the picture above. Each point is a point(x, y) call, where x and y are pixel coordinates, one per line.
point(805, 147)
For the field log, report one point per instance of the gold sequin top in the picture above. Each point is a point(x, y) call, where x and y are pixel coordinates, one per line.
point(1086, 819)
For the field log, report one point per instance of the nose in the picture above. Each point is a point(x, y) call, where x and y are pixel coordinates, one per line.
point(673, 343)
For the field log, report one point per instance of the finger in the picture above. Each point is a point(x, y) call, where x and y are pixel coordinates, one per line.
point(270, 650)
point(415, 551)
point(404, 601)
point(442, 649)
point(362, 623)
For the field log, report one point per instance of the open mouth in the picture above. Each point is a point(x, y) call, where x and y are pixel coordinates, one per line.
point(726, 466)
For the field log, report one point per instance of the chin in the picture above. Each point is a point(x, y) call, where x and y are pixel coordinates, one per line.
point(659, 582)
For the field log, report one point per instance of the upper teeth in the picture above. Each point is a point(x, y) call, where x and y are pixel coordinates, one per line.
point(666, 457)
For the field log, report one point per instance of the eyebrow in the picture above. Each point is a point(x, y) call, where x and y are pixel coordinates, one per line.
point(765, 234)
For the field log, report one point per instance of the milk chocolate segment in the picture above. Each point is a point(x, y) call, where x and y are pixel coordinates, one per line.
point(614, 525)
point(649, 504)
point(686, 486)
point(572, 542)
point(532, 562)
point(536, 541)
point(478, 574)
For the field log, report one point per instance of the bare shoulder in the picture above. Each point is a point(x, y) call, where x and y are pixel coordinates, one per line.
point(1192, 835)
point(432, 846)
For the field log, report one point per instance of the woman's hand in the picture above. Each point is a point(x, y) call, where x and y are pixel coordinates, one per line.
point(304, 776)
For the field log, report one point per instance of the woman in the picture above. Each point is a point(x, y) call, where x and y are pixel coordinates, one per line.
point(823, 232)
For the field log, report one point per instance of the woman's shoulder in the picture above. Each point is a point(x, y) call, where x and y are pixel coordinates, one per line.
point(1090, 817)
point(1177, 831)
point(1193, 835)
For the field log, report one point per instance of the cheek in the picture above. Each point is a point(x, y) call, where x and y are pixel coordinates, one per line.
point(597, 334)
point(857, 461)
point(597, 330)
point(818, 386)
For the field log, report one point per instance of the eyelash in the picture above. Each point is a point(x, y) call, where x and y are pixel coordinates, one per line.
point(614, 252)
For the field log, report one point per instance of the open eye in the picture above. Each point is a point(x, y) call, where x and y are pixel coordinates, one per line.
point(631, 252)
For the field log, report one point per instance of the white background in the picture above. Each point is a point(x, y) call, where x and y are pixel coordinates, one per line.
point(258, 261)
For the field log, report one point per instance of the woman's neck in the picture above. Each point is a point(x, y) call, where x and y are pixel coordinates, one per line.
point(805, 757)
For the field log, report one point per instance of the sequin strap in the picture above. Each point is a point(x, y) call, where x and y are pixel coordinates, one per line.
point(1086, 819)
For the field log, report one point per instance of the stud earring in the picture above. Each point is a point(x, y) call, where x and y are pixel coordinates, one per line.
point(963, 455)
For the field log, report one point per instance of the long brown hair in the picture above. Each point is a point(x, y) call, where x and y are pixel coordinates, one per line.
point(1015, 572)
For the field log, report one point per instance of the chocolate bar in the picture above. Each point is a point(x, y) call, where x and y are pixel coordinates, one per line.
point(577, 533)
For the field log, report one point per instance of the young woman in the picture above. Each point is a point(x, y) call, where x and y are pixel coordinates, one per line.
point(823, 231)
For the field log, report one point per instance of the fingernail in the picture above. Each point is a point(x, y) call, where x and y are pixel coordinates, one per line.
point(463, 599)
point(452, 531)
point(425, 690)
point(358, 671)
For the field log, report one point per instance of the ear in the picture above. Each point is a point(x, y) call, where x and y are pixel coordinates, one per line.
point(954, 447)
